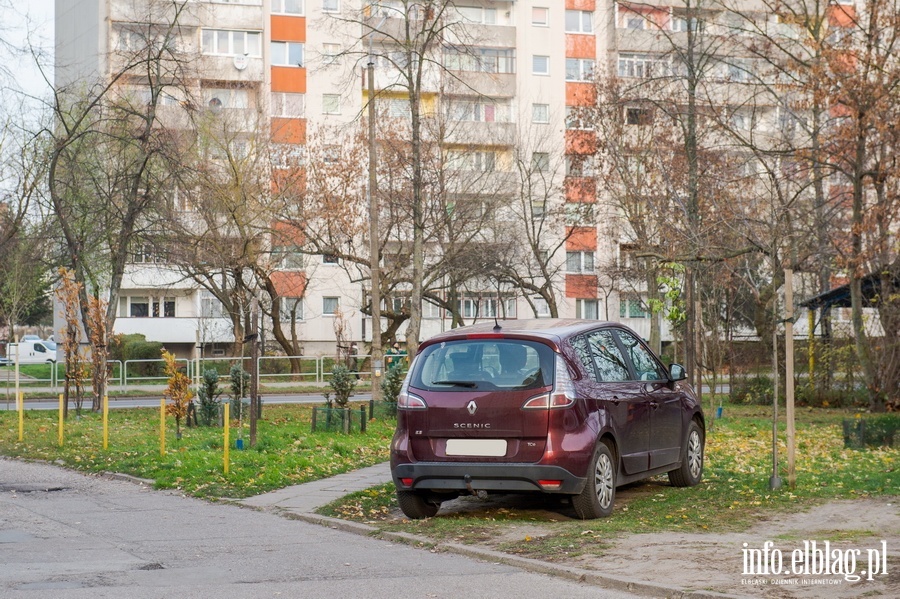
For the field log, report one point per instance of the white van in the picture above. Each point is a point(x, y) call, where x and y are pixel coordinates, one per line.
point(30, 352)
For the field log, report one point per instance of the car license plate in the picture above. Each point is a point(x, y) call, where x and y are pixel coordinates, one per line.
point(477, 447)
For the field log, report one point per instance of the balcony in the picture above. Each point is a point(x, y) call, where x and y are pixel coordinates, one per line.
point(178, 330)
point(223, 68)
point(481, 134)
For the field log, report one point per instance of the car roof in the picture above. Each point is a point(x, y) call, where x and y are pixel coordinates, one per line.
point(550, 330)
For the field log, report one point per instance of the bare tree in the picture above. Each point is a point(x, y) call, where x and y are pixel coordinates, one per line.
point(110, 159)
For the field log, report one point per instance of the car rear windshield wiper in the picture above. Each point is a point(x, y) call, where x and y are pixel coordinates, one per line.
point(468, 384)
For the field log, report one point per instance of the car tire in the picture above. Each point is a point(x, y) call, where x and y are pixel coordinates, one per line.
point(691, 470)
point(599, 493)
point(416, 506)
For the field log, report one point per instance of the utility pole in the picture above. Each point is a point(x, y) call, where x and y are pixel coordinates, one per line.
point(789, 371)
point(374, 235)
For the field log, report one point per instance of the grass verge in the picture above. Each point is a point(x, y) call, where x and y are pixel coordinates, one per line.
point(286, 452)
point(733, 495)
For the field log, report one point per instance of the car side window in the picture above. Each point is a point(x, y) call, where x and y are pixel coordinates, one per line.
point(607, 357)
point(645, 365)
point(583, 351)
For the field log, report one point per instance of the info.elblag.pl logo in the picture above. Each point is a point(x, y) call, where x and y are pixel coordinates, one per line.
point(814, 558)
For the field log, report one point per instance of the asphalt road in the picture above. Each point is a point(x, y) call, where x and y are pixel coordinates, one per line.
point(69, 536)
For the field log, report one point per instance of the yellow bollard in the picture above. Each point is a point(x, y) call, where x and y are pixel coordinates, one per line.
point(162, 427)
point(21, 416)
point(61, 408)
point(227, 423)
point(105, 421)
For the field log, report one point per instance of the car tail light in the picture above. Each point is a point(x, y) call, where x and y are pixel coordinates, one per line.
point(409, 401)
point(406, 482)
point(562, 395)
point(550, 485)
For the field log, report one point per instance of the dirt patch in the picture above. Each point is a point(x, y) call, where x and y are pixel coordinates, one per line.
point(716, 561)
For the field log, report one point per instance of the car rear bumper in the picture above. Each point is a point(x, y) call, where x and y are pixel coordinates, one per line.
point(475, 476)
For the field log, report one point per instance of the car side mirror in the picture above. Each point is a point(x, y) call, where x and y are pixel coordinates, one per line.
point(677, 373)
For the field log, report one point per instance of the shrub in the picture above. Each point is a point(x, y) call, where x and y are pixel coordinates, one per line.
point(757, 390)
point(136, 347)
point(240, 387)
point(209, 397)
point(343, 383)
point(390, 389)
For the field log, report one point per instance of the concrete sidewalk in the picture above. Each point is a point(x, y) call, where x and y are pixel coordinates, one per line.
point(308, 497)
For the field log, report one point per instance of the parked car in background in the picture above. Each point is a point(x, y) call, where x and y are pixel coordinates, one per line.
point(566, 407)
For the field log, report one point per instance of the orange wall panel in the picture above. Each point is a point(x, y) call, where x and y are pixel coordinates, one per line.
point(580, 142)
point(581, 286)
point(581, 4)
point(289, 79)
point(287, 234)
point(581, 46)
point(289, 182)
point(288, 29)
point(289, 283)
point(841, 15)
point(288, 131)
point(580, 94)
point(581, 239)
point(581, 189)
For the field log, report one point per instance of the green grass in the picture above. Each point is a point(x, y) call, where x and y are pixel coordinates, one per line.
point(733, 494)
point(286, 453)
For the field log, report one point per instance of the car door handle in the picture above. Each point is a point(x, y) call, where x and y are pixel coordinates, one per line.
point(654, 404)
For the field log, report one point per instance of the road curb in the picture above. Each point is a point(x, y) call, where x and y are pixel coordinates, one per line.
point(591, 577)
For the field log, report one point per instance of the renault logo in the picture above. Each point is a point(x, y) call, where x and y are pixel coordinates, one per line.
point(472, 407)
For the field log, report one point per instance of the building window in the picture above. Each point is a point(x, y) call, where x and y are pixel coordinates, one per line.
point(287, 7)
point(580, 262)
point(540, 113)
point(331, 5)
point(287, 257)
point(226, 42)
point(217, 98)
point(330, 305)
point(330, 259)
point(541, 307)
point(481, 60)
point(460, 160)
point(632, 307)
point(139, 307)
point(289, 105)
point(399, 108)
point(684, 24)
point(579, 165)
point(331, 53)
point(641, 65)
point(331, 104)
point(579, 21)
point(287, 54)
point(587, 309)
point(579, 69)
point(540, 162)
point(210, 306)
point(540, 16)
point(580, 214)
point(540, 65)
point(291, 309)
point(578, 118)
point(479, 111)
point(476, 14)
point(638, 116)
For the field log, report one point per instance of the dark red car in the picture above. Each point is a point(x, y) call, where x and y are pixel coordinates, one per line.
point(570, 407)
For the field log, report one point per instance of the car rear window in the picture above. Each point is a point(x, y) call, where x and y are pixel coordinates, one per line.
point(484, 364)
